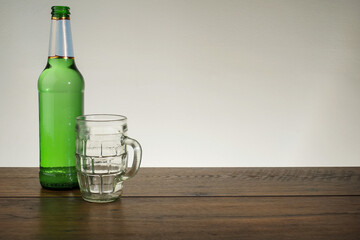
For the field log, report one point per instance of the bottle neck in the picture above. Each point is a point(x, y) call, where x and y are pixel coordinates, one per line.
point(60, 46)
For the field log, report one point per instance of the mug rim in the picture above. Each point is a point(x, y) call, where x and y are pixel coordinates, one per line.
point(101, 118)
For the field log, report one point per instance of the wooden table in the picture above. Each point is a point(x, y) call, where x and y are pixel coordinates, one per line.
point(190, 203)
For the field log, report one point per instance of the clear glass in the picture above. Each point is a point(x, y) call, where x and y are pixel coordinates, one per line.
point(101, 156)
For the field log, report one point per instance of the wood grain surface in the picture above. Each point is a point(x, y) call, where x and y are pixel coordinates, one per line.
point(182, 218)
point(24, 182)
point(190, 203)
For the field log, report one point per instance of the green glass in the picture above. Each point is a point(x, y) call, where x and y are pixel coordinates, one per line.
point(61, 94)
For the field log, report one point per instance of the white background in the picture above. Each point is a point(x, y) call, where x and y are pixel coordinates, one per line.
point(203, 82)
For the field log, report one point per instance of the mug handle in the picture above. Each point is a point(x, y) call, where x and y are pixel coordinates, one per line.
point(137, 158)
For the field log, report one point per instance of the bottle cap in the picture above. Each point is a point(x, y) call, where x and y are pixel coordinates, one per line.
point(60, 12)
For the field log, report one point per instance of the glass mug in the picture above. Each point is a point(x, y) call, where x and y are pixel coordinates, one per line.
point(101, 156)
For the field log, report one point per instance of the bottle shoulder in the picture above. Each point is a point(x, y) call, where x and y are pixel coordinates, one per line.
point(60, 78)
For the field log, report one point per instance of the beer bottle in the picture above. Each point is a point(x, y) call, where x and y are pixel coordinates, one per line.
point(61, 94)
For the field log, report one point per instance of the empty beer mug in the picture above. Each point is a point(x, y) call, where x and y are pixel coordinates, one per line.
point(101, 156)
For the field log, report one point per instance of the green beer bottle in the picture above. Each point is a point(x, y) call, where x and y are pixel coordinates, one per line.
point(61, 94)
